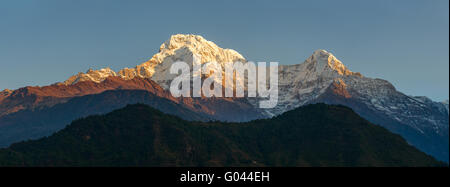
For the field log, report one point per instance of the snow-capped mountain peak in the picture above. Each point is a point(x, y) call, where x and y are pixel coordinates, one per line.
point(179, 47)
point(322, 61)
point(91, 75)
point(182, 45)
point(199, 45)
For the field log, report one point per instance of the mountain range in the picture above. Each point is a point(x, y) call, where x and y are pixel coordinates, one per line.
point(29, 112)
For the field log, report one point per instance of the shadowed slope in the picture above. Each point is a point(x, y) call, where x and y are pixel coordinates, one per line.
point(137, 135)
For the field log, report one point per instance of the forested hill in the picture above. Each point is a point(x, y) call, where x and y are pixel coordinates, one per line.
point(138, 135)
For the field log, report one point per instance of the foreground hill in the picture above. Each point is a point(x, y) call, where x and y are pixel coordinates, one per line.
point(38, 123)
point(138, 135)
point(321, 78)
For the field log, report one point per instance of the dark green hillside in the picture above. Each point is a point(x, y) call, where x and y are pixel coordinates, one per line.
point(137, 135)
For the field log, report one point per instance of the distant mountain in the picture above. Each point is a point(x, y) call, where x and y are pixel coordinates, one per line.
point(34, 124)
point(138, 135)
point(32, 98)
point(36, 98)
point(321, 78)
point(39, 122)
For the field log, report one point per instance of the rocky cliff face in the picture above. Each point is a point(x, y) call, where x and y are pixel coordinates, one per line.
point(37, 98)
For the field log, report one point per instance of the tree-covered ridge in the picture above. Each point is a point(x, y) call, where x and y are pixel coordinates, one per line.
point(138, 135)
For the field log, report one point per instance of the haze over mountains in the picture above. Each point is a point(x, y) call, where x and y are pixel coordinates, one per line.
point(320, 78)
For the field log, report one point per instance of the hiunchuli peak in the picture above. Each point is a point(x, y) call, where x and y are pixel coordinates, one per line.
point(324, 62)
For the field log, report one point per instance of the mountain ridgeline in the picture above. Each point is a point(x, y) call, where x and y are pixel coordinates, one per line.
point(33, 112)
point(138, 135)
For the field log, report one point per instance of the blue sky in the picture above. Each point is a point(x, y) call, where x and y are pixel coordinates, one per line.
point(403, 41)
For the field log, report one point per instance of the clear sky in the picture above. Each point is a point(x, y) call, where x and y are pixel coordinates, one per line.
point(403, 41)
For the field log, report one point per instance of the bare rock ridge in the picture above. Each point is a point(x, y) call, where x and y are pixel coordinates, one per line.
point(36, 98)
point(91, 75)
